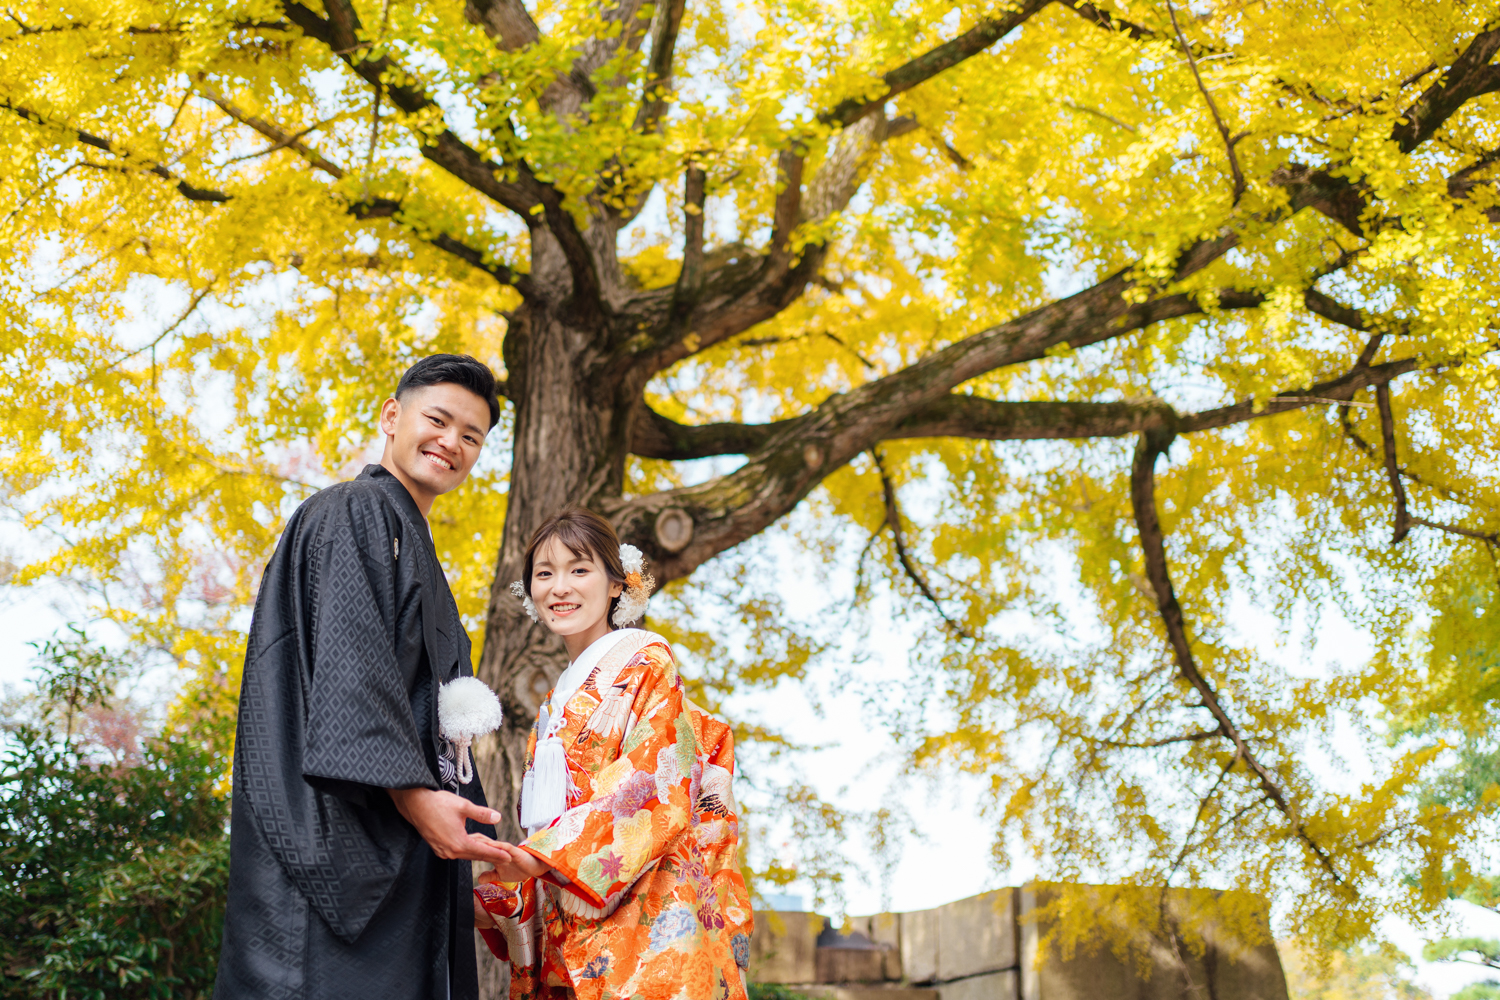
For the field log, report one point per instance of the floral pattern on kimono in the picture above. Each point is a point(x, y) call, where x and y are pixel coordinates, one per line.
point(646, 899)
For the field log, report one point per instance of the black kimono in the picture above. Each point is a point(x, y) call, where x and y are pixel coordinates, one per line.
point(332, 894)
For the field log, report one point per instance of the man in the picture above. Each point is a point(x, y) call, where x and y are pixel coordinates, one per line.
point(351, 837)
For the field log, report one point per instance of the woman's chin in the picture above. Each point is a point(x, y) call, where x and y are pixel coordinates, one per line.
point(571, 625)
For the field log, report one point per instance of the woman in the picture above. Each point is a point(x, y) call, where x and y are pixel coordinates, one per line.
point(628, 884)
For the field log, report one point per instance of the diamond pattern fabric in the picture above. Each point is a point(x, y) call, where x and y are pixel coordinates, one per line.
point(332, 893)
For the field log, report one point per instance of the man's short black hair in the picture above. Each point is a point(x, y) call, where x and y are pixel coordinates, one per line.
point(460, 369)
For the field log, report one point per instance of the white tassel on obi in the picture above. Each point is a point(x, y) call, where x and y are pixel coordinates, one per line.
point(467, 709)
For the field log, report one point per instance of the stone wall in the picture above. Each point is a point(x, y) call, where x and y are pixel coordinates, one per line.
point(1043, 941)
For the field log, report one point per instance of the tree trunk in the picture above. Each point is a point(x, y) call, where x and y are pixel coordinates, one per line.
point(568, 447)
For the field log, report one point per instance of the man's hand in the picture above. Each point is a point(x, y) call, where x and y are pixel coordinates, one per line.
point(519, 865)
point(439, 818)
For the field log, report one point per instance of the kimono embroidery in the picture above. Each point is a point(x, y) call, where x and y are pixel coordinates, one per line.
point(646, 899)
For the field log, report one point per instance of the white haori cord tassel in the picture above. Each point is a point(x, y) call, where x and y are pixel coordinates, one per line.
point(467, 708)
point(547, 786)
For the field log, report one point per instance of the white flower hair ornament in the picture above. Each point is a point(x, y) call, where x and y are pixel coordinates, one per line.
point(467, 709)
point(527, 605)
point(638, 584)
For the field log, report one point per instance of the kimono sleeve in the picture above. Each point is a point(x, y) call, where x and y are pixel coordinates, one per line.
point(507, 901)
point(641, 802)
point(361, 736)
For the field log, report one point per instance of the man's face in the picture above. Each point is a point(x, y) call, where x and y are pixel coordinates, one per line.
point(433, 436)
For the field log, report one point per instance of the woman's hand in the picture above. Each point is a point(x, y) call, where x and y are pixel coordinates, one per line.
point(520, 864)
point(482, 918)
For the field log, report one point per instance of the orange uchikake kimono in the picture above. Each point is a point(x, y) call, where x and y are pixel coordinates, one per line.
point(646, 899)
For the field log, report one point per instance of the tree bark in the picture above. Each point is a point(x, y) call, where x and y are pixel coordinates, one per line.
point(568, 447)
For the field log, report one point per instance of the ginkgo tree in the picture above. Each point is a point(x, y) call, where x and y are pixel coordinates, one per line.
point(1229, 266)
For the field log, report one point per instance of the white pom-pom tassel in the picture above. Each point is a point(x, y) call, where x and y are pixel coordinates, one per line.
point(467, 708)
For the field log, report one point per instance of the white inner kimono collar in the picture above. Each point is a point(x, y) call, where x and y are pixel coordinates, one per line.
point(578, 671)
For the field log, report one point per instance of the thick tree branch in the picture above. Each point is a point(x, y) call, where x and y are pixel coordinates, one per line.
point(1470, 75)
point(788, 210)
point(737, 297)
point(965, 416)
point(1337, 197)
point(934, 61)
point(1104, 19)
point(1337, 312)
point(507, 22)
point(341, 31)
point(694, 196)
point(511, 27)
point(655, 436)
point(665, 29)
point(1143, 501)
point(1388, 446)
point(801, 452)
point(1346, 200)
point(1338, 390)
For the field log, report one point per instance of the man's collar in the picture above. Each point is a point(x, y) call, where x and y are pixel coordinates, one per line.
point(397, 491)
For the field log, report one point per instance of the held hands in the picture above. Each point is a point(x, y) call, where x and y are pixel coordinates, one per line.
point(519, 864)
point(439, 818)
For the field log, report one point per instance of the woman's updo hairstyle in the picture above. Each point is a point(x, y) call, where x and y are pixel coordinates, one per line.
point(583, 533)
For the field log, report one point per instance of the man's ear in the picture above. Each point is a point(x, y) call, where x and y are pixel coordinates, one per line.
point(389, 411)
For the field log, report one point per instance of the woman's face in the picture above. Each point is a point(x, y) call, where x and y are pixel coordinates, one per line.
point(572, 592)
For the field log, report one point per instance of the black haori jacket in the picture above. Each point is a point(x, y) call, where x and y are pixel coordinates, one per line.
point(332, 894)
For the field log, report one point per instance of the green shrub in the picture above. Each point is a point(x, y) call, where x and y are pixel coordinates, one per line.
point(112, 874)
point(773, 991)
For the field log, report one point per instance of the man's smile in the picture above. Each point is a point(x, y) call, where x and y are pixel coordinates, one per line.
point(438, 460)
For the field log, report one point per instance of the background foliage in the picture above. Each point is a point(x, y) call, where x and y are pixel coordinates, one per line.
point(114, 852)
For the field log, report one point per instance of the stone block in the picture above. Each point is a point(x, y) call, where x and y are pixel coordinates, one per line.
point(783, 948)
point(885, 930)
point(919, 945)
point(882, 928)
point(850, 965)
point(1081, 942)
point(990, 986)
point(976, 935)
